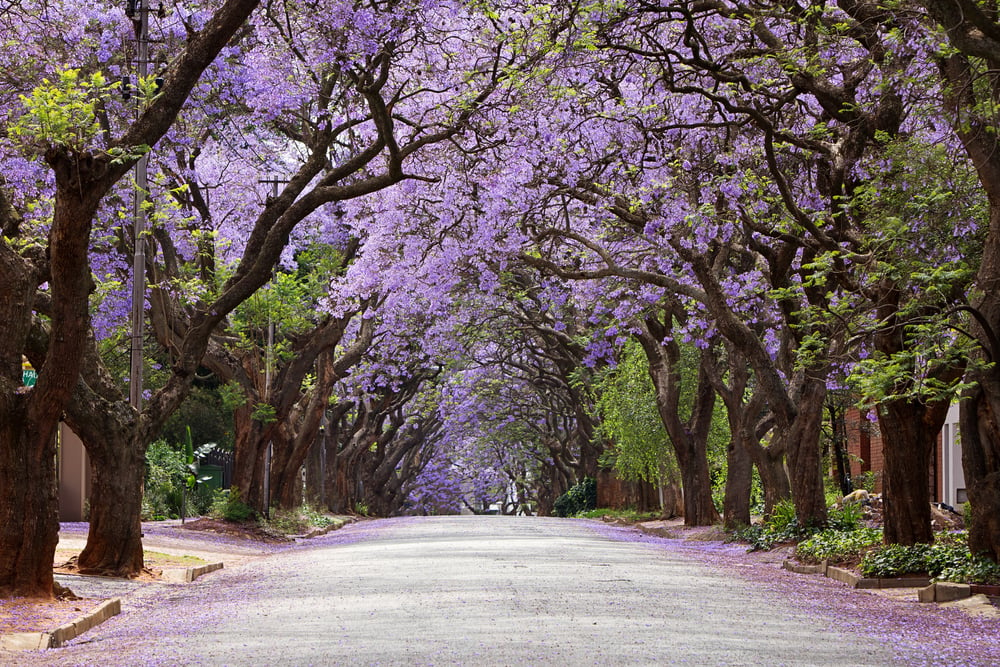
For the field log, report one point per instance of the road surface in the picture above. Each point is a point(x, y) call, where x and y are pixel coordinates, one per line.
point(489, 591)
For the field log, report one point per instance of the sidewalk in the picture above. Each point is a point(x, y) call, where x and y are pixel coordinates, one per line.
point(49, 624)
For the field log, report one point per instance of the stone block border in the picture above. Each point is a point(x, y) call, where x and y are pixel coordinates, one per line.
point(35, 641)
point(944, 591)
point(188, 574)
point(336, 524)
point(855, 581)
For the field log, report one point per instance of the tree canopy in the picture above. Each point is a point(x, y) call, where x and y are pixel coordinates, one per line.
point(438, 240)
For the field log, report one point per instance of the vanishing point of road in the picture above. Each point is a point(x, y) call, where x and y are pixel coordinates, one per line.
point(509, 591)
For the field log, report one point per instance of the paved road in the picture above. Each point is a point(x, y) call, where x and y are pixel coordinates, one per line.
point(469, 591)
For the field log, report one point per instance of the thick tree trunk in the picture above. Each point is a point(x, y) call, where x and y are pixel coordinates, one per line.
point(909, 436)
point(29, 521)
point(980, 411)
point(980, 429)
point(801, 446)
point(739, 480)
point(590, 451)
point(250, 452)
point(29, 418)
point(553, 483)
point(315, 491)
point(342, 494)
point(699, 509)
point(286, 469)
point(770, 462)
point(114, 542)
point(688, 438)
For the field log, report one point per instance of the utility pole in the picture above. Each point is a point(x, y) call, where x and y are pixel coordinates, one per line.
point(138, 11)
point(268, 362)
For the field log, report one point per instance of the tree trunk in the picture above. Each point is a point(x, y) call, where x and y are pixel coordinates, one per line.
point(980, 417)
point(250, 451)
point(739, 480)
point(801, 446)
point(770, 462)
point(689, 438)
point(699, 508)
point(114, 542)
point(343, 493)
point(29, 418)
point(980, 411)
point(286, 470)
point(909, 436)
point(29, 523)
point(29, 520)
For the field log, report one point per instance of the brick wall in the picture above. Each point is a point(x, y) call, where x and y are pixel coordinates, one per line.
point(864, 446)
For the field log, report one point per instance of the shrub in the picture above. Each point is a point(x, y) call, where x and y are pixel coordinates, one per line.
point(315, 518)
point(296, 521)
point(629, 514)
point(845, 519)
point(165, 477)
point(229, 507)
point(866, 481)
point(288, 522)
point(948, 559)
point(838, 546)
point(779, 527)
point(782, 519)
point(975, 570)
point(579, 498)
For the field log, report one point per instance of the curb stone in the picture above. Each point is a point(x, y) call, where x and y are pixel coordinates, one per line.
point(336, 524)
point(855, 581)
point(35, 641)
point(188, 574)
point(944, 591)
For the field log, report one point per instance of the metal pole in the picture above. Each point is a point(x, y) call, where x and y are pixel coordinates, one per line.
point(322, 465)
point(268, 360)
point(139, 227)
point(267, 397)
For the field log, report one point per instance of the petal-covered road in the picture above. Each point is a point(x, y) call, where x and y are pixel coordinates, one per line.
point(510, 591)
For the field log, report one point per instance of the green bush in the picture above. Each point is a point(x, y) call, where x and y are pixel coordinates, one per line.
point(316, 518)
point(779, 527)
point(288, 522)
point(866, 481)
point(948, 559)
point(229, 507)
point(838, 546)
point(846, 518)
point(164, 488)
point(975, 570)
point(579, 498)
point(893, 560)
point(296, 521)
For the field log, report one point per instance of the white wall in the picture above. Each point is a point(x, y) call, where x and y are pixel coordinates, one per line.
point(952, 477)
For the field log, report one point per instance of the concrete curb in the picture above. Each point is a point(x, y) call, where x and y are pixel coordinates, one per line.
point(944, 591)
point(188, 574)
point(35, 641)
point(336, 524)
point(804, 569)
point(855, 581)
